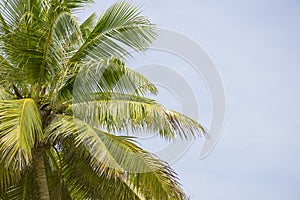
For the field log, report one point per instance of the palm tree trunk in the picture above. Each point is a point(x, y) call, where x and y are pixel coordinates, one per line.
point(41, 178)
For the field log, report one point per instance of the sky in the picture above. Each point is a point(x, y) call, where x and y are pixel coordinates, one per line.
point(255, 46)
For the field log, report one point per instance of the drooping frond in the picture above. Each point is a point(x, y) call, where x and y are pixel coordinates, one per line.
point(143, 169)
point(24, 189)
point(118, 77)
point(139, 169)
point(64, 126)
point(9, 175)
point(119, 30)
point(84, 183)
point(138, 114)
point(20, 130)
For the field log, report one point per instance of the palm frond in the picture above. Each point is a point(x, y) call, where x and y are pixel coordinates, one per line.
point(112, 75)
point(8, 73)
point(119, 30)
point(41, 42)
point(9, 176)
point(143, 171)
point(4, 29)
point(64, 126)
point(138, 114)
point(24, 189)
point(84, 183)
point(12, 11)
point(20, 130)
point(65, 40)
point(88, 25)
point(21, 46)
point(74, 5)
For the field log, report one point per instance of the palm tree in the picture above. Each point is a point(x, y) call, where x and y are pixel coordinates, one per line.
point(65, 97)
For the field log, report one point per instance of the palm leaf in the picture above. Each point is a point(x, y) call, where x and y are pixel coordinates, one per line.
point(88, 25)
point(74, 5)
point(84, 183)
point(13, 10)
point(64, 126)
point(142, 169)
point(66, 39)
point(123, 112)
point(7, 70)
point(119, 27)
point(41, 42)
point(9, 176)
point(20, 130)
point(106, 76)
point(111, 75)
point(24, 189)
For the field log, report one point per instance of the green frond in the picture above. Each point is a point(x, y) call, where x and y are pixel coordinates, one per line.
point(106, 76)
point(12, 11)
point(120, 75)
point(62, 39)
point(137, 114)
point(84, 183)
point(139, 169)
point(66, 39)
point(64, 126)
point(22, 45)
point(74, 5)
point(9, 176)
point(20, 130)
point(23, 14)
point(41, 43)
point(7, 72)
point(107, 96)
point(144, 171)
point(110, 75)
point(24, 189)
point(3, 26)
point(119, 30)
point(88, 25)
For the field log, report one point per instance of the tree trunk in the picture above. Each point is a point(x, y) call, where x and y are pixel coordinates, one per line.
point(41, 178)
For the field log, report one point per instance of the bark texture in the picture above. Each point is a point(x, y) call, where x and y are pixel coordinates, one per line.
point(41, 178)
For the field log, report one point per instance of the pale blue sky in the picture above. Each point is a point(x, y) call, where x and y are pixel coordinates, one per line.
point(255, 45)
